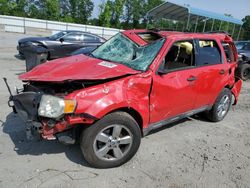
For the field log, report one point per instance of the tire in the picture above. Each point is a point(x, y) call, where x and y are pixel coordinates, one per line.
point(244, 71)
point(221, 106)
point(111, 141)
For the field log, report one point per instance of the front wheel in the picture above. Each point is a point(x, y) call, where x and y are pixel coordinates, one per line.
point(111, 141)
point(221, 106)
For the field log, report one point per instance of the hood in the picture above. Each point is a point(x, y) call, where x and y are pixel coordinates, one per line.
point(33, 39)
point(79, 67)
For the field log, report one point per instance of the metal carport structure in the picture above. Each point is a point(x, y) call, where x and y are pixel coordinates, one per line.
point(185, 13)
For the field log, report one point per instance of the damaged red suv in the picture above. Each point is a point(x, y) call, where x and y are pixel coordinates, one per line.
point(137, 81)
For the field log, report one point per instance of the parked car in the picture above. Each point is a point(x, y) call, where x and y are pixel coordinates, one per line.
point(37, 50)
point(136, 82)
point(243, 69)
point(239, 44)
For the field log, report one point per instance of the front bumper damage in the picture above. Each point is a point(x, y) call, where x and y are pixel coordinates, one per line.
point(26, 106)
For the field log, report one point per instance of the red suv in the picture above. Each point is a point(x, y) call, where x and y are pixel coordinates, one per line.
point(137, 81)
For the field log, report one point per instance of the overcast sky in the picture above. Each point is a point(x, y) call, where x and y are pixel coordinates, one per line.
point(238, 8)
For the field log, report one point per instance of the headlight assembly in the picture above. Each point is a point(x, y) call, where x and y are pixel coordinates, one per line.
point(54, 107)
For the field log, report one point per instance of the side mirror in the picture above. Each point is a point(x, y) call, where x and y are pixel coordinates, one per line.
point(61, 40)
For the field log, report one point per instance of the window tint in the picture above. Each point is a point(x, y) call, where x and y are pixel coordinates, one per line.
point(180, 55)
point(73, 37)
point(209, 53)
point(90, 38)
point(229, 52)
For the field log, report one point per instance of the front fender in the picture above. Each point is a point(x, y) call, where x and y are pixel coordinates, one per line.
point(130, 92)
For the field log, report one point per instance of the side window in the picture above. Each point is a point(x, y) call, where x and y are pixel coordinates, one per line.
point(228, 52)
point(209, 53)
point(180, 55)
point(73, 37)
point(90, 38)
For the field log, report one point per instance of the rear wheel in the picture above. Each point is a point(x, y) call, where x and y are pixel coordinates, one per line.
point(111, 141)
point(244, 71)
point(221, 106)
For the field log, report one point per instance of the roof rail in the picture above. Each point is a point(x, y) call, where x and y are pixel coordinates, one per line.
point(222, 32)
point(160, 29)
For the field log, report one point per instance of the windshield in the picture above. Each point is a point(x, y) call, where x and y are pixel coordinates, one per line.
point(58, 35)
point(122, 50)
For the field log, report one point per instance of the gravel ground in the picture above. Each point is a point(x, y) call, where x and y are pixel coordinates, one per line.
point(190, 153)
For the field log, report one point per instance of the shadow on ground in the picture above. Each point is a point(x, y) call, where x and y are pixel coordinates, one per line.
point(15, 128)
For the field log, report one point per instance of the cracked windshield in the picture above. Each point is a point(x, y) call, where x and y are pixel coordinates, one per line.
point(122, 50)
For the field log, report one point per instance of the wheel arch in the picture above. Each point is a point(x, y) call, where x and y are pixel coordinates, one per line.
point(132, 112)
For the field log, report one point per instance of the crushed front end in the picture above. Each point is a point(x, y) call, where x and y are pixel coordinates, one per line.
point(46, 112)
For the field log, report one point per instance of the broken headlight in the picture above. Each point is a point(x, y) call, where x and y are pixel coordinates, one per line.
point(54, 107)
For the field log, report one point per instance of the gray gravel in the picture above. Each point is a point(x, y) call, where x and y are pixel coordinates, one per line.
point(190, 153)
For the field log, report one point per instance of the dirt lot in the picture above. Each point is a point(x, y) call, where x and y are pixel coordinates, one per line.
point(190, 153)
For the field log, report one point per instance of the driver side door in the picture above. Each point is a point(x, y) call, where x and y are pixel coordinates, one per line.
point(174, 90)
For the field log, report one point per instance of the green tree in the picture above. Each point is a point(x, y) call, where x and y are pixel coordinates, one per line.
point(33, 12)
point(136, 11)
point(52, 9)
point(105, 14)
point(4, 7)
point(117, 11)
point(246, 28)
point(81, 10)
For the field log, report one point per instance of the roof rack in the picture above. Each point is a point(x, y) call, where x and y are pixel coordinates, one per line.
point(160, 29)
point(215, 32)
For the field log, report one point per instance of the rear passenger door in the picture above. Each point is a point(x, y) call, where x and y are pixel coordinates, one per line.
point(213, 71)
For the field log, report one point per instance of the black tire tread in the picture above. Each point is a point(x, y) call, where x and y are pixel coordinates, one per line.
point(212, 114)
point(88, 135)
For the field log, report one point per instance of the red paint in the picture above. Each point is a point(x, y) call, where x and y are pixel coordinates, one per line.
point(154, 97)
point(78, 67)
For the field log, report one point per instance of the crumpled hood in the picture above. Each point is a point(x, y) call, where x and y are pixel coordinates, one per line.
point(79, 67)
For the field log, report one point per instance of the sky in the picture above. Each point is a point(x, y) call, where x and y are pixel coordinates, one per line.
point(237, 8)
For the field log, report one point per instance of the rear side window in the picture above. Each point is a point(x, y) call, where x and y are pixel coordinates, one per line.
point(228, 52)
point(73, 37)
point(209, 53)
point(90, 38)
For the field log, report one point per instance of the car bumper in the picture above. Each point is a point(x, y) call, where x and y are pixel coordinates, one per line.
point(25, 105)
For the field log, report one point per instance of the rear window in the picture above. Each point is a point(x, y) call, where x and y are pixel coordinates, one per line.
point(209, 53)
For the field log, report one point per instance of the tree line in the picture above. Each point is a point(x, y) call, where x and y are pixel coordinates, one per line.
point(123, 14)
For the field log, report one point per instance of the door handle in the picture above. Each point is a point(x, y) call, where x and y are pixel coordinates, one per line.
point(191, 78)
point(222, 71)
